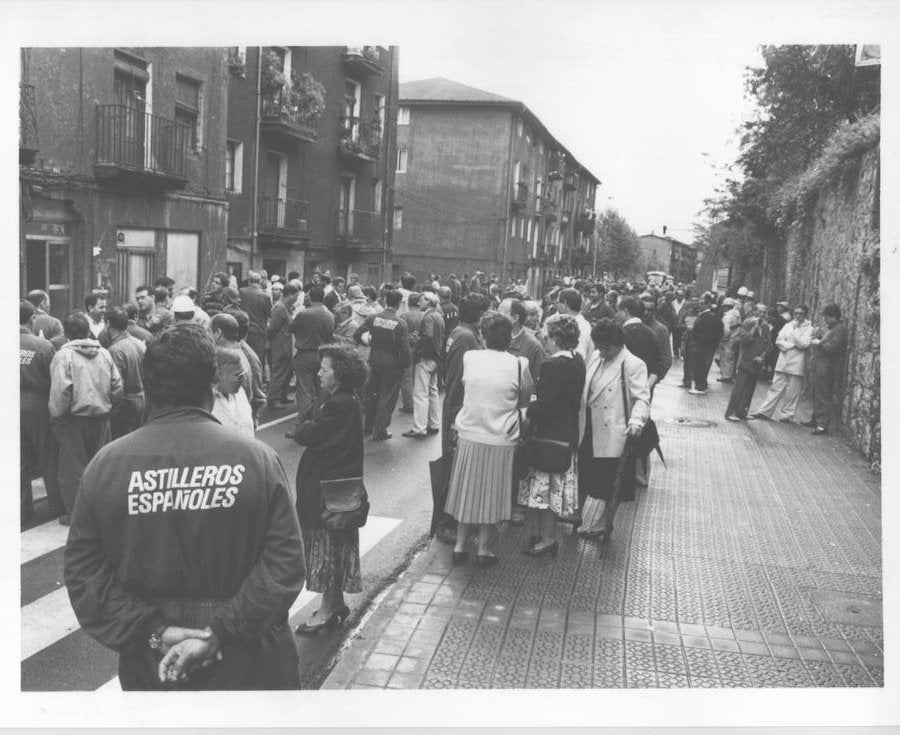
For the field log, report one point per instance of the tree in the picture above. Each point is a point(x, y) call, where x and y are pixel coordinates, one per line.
point(618, 251)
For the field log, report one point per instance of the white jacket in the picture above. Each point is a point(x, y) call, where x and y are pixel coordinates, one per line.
point(793, 341)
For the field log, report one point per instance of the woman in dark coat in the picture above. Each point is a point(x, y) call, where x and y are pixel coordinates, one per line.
point(334, 441)
point(554, 415)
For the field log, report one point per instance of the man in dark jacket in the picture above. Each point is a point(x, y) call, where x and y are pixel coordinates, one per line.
point(37, 443)
point(45, 326)
point(706, 334)
point(829, 344)
point(185, 553)
point(127, 352)
point(462, 339)
point(754, 342)
point(212, 302)
point(660, 331)
point(389, 357)
point(258, 305)
point(640, 340)
point(312, 328)
point(280, 341)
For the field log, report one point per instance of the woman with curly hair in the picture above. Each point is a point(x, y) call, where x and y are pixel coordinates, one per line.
point(334, 441)
point(495, 384)
point(554, 415)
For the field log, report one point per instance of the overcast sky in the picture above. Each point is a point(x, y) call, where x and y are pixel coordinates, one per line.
point(651, 121)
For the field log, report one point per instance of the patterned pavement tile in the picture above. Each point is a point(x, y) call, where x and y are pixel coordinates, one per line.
point(711, 579)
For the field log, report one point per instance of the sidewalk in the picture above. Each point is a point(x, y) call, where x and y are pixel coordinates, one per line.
point(754, 559)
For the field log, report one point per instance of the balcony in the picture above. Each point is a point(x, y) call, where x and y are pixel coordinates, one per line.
point(545, 207)
point(282, 221)
point(363, 61)
point(137, 147)
point(358, 229)
point(28, 134)
point(289, 116)
point(584, 222)
point(520, 196)
point(360, 139)
point(557, 167)
point(570, 182)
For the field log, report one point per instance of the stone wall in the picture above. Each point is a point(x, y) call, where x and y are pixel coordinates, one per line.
point(833, 256)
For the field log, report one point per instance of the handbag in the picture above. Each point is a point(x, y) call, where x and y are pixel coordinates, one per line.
point(345, 503)
point(649, 438)
point(549, 455)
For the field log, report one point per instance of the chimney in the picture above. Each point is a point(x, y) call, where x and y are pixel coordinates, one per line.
point(664, 230)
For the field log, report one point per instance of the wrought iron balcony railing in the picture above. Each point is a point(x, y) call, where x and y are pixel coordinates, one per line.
point(288, 216)
point(28, 133)
point(584, 222)
point(130, 141)
point(289, 114)
point(520, 195)
point(570, 182)
point(360, 138)
point(357, 226)
point(363, 60)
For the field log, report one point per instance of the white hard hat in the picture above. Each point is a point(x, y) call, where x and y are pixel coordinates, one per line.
point(742, 291)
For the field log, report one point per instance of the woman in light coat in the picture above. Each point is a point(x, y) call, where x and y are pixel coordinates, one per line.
point(605, 422)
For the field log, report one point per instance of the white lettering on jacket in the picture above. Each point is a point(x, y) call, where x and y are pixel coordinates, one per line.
point(385, 323)
point(204, 487)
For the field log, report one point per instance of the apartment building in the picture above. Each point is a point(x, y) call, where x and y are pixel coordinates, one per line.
point(665, 253)
point(122, 158)
point(481, 184)
point(310, 158)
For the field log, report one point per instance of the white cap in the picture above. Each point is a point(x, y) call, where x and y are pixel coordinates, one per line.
point(750, 294)
point(742, 291)
point(182, 305)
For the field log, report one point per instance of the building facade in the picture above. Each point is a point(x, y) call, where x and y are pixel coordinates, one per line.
point(310, 156)
point(122, 158)
point(664, 253)
point(481, 184)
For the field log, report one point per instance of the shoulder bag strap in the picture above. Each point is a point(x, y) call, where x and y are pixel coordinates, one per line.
point(625, 401)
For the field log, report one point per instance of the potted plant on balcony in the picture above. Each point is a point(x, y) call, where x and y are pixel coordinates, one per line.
point(371, 53)
point(272, 77)
point(310, 99)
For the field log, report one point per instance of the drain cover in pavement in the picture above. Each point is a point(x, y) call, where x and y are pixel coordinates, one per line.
point(685, 421)
point(848, 609)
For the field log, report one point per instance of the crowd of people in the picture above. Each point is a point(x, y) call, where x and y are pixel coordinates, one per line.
point(505, 379)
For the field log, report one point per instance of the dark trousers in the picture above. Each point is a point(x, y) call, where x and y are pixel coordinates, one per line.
point(128, 416)
point(823, 394)
point(687, 363)
point(279, 376)
point(80, 438)
point(701, 360)
point(384, 387)
point(39, 452)
point(742, 393)
point(677, 337)
point(306, 365)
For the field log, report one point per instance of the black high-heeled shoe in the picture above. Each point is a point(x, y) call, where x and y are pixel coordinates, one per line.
point(334, 621)
point(486, 560)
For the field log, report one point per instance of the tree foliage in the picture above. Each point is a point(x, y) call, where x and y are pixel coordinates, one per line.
point(618, 251)
point(815, 108)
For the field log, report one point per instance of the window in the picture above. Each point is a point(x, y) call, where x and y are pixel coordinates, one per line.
point(512, 226)
point(527, 136)
point(528, 236)
point(521, 226)
point(403, 116)
point(234, 166)
point(398, 218)
point(135, 260)
point(402, 156)
point(376, 195)
point(519, 128)
point(187, 107)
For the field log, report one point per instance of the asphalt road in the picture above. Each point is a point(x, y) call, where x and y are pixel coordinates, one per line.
point(57, 656)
